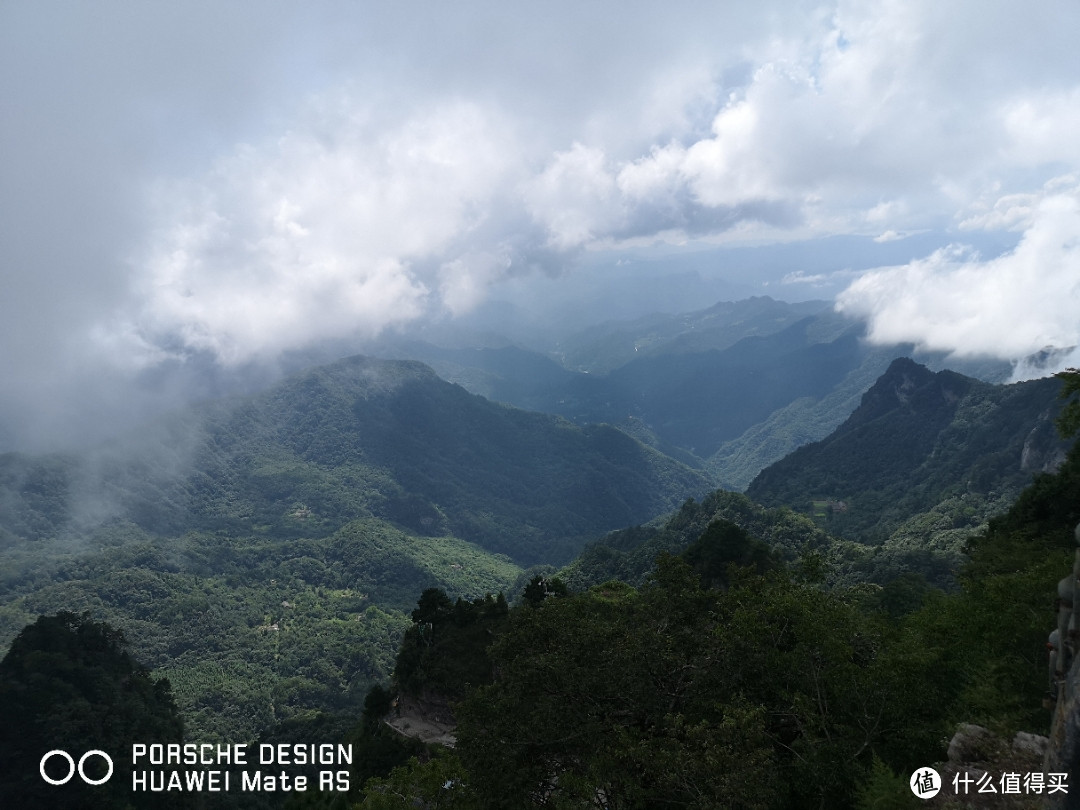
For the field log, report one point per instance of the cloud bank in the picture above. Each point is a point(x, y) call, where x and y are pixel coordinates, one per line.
point(1018, 304)
point(226, 183)
point(348, 226)
point(881, 121)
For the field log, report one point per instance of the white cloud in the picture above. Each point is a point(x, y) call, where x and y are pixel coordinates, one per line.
point(888, 236)
point(574, 197)
point(799, 277)
point(492, 145)
point(1017, 304)
point(464, 281)
point(881, 120)
point(1015, 212)
point(1041, 127)
point(314, 237)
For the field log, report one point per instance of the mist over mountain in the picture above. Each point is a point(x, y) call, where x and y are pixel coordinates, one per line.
point(263, 550)
point(329, 332)
point(358, 438)
point(729, 389)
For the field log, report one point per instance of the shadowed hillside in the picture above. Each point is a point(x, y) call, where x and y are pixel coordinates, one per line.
point(918, 438)
point(359, 438)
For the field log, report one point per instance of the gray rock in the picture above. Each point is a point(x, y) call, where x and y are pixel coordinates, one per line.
point(973, 743)
point(1030, 745)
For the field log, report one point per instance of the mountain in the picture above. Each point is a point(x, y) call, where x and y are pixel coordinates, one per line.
point(502, 373)
point(263, 552)
point(920, 441)
point(803, 420)
point(358, 438)
point(686, 403)
point(830, 696)
point(607, 346)
point(901, 487)
point(629, 555)
point(728, 389)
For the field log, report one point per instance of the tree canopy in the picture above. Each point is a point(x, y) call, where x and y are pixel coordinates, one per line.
point(69, 683)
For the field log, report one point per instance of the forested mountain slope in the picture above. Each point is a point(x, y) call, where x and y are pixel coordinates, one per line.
point(693, 400)
point(756, 686)
point(263, 552)
point(728, 389)
point(358, 438)
point(917, 440)
point(629, 555)
point(899, 488)
point(607, 346)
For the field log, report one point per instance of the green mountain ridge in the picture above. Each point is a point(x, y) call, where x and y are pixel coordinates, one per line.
point(358, 438)
point(729, 389)
point(264, 555)
point(900, 486)
point(263, 551)
point(762, 688)
point(628, 555)
point(920, 466)
point(692, 401)
point(607, 346)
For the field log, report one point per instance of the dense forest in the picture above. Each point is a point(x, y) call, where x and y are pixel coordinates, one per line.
point(728, 678)
point(263, 552)
point(726, 653)
point(555, 406)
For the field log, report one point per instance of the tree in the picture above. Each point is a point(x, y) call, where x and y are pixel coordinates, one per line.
point(1069, 419)
point(69, 683)
point(596, 703)
point(437, 784)
point(766, 693)
point(723, 544)
point(541, 587)
point(445, 650)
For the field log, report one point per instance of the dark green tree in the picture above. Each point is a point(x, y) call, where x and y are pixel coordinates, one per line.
point(432, 607)
point(1069, 420)
point(541, 587)
point(724, 544)
point(596, 702)
point(69, 683)
point(445, 650)
point(769, 693)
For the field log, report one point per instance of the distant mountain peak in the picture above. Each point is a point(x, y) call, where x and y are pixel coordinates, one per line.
point(909, 385)
point(917, 439)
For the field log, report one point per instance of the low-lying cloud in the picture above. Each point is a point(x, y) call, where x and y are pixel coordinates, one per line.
point(219, 185)
point(1019, 304)
point(346, 227)
point(362, 216)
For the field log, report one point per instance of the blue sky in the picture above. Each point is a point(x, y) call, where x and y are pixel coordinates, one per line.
point(237, 180)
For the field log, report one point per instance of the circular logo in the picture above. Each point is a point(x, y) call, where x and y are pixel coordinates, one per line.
point(925, 783)
point(72, 767)
point(47, 757)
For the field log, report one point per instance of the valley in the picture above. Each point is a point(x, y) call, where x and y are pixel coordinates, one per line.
point(264, 552)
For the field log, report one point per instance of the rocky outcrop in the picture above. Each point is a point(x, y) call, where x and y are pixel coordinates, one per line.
point(1063, 752)
point(973, 743)
point(1043, 451)
point(978, 757)
point(427, 718)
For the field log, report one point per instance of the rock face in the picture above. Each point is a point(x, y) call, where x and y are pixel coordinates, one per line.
point(973, 743)
point(977, 755)
point(1042, 452)
point(1031, 745)
point(1063, 751)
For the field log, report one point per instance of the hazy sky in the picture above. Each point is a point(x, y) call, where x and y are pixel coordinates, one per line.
point(227, 181)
